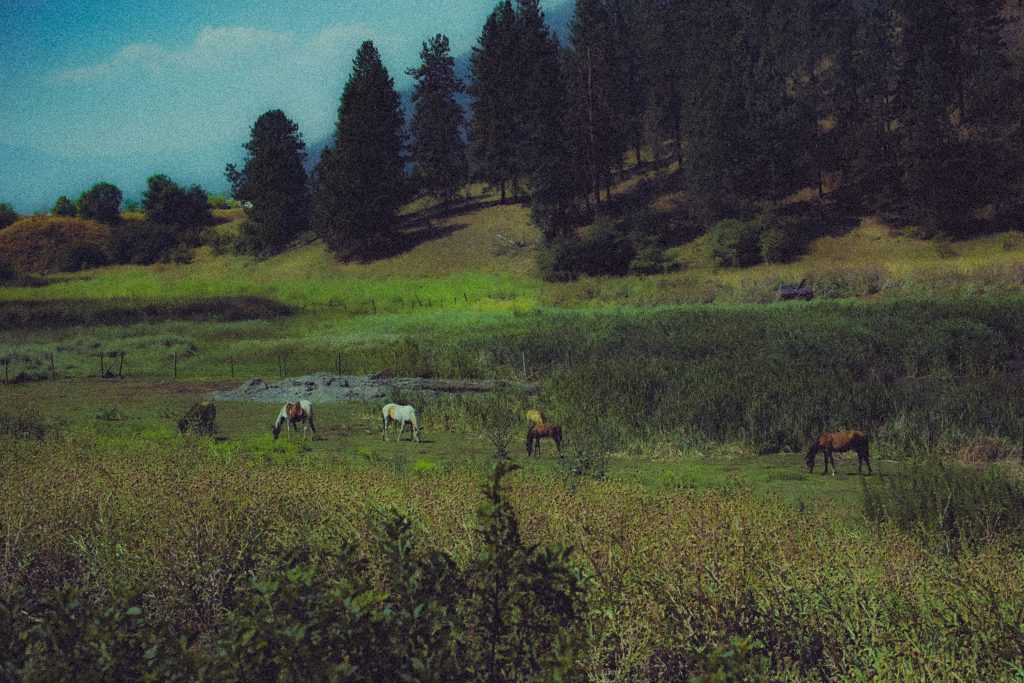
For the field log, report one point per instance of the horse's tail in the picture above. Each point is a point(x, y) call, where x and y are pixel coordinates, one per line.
point(311, 425)
point(556, 434)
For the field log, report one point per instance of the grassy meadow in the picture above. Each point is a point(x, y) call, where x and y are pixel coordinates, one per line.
point(678, 535)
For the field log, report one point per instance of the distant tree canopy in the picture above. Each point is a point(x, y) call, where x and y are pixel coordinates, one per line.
point(164, 201)
point(913, 109)
point(438, 151)
point(359, 183)
point(64, 207)
point(101, 202)
point(7, 215)
point(273, 179)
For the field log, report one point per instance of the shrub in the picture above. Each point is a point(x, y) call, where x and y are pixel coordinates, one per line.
point(101, 202)
point(602, 251)
point(778, 246)
point(735, 243)
point(952, 507)
point(64, 207)
point(80, 256)
point(165, 202)
point(650, 260)
point(7, 215)
point(45, 244)
point(142, 242)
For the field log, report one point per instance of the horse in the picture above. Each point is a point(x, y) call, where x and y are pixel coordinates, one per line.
point(293, 413)
point(543, 430)
point(393, 412)
point(840, 442)
point(535, 416)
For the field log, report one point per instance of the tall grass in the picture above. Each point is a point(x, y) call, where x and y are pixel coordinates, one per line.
point(156, 554)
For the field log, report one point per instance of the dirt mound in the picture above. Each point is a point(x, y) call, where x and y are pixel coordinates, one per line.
point(327, 388)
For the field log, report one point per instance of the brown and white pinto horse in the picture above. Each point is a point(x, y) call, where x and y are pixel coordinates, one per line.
point(293, 413)
point(543, 430)
point(831, 442)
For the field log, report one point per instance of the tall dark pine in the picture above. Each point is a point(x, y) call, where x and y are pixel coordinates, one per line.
point(542, 151)
point(438, 151)
point(591, 70)
point(495, 129)
point(359, 183)
point(273, 180)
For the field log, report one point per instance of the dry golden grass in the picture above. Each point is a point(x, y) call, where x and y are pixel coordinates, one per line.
point(33, 244)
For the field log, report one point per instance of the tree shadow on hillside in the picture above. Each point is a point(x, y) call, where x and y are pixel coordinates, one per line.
point(411, 235)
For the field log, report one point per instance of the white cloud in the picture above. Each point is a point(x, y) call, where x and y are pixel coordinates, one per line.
point(216, 49)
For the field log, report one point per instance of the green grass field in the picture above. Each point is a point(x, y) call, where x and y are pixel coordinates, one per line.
point(687, 400)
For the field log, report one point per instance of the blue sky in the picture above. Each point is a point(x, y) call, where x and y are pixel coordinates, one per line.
point(119, 90)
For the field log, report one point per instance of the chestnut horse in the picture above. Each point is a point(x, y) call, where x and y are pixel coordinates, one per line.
point(831, 442)
point(543, 430)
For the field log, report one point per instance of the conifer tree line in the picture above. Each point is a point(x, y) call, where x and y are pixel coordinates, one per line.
point(908, 107)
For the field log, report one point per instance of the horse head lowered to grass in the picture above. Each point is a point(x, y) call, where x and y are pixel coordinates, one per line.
point(839, 442)
point(291, 415)
point(402, 415)
point(543, 430)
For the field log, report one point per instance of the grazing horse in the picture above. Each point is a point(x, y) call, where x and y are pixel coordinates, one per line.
point(393, 412)
point(293, 413)
point(535, 416)
point(543, 430)
point(831, 442)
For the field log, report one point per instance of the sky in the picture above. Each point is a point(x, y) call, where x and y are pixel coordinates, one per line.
point(118, 90)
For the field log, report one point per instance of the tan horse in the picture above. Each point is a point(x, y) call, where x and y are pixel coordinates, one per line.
point(535, 416)
point(543, 430)
point(839, 442)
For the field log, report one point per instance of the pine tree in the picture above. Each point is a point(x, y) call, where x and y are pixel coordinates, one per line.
point(359, 183)
point(495, 129)
point(274, 181)
point(438, 150)
point(591, 72)
point(542, 152)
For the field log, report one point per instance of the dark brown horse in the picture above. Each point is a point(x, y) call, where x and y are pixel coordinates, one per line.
point(832, 442)
point(543, 430)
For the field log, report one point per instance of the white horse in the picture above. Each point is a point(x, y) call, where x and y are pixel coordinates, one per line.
point(293, 413)
point(393, 412)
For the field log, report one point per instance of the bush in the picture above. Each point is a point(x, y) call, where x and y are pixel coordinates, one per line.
point(950, 506)
point(165, 202)
point(101, 202)
point(602, 251)
point(80, 256)
point(778, 246)
point(142, 242)
point(7, 215)
point(64, 207)
point(46, 244)
point(735, 243)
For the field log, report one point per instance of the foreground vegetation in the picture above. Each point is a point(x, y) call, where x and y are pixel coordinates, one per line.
point(134, 552)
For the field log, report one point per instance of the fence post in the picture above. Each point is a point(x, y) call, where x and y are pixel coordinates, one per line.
point(232, 361)
point(102, 369)
point(120, 367)
point(175, 365)
point(524, 365)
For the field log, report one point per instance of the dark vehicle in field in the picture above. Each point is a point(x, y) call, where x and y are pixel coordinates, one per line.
point(788, 292)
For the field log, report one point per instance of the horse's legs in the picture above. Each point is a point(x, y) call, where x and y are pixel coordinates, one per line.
point(863, 458)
